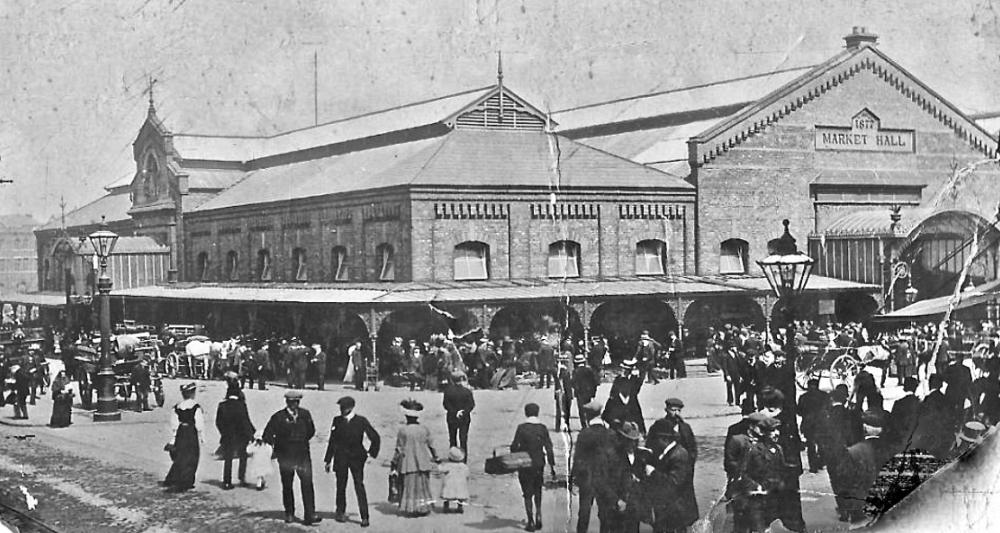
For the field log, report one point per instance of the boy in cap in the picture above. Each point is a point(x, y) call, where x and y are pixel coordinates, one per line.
point(235, 432)
point(289, 431)
point(458, 404)
point(347, 452)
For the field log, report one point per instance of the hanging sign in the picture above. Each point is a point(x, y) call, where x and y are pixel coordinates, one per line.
point(865, 134)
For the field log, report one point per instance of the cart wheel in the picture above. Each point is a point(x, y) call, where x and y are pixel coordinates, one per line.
point(802, 378)
point(159, 398)
point(845, 367)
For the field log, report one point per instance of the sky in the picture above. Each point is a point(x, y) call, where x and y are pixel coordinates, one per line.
point(73, 73)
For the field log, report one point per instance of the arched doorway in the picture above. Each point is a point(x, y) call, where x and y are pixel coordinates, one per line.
point(854, 307)
point(739, 311)
point(938, 249)
point(539, 320)
point(621, 322)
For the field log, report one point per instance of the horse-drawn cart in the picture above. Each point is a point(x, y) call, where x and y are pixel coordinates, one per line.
point(123, 381)
point(840, 363)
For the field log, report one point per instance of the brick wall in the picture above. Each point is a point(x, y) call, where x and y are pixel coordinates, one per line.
point(747, 191)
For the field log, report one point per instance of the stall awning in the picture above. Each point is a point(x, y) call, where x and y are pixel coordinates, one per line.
point(41, 299)
point(939, 306)
point(476, 291)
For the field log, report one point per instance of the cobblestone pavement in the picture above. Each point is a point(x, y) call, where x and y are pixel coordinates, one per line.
point(95, 477)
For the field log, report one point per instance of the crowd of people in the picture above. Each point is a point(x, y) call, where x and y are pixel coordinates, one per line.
point(632, 473)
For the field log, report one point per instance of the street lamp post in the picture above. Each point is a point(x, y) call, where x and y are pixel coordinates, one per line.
point(787, 271)
point(104, 241)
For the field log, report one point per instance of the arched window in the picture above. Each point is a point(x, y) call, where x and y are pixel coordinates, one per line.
point(564, 259)
point(300, 268)
point(150, 174)
point(338, 264)
point(650, 257)
point(233, 266)
point(733, 255)
point(387, 262)
point(472, 260)
point(203, 266)
point(264, 265)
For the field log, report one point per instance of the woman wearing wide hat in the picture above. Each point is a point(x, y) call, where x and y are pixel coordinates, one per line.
point(414, 459)
point(623, 401)
point(187, 432)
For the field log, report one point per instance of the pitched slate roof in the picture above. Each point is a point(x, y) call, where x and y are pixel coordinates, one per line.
point(114, 207)
point(726, 93)
point(461, 158)
point(236, 148)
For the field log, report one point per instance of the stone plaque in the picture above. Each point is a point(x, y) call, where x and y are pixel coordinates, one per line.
point(864, 134)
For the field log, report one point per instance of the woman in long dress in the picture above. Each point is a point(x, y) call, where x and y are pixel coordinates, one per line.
point(414, 459)
point(62, 402)
point(187, 427)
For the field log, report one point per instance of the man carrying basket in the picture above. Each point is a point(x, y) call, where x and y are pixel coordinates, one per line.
point(533, 437)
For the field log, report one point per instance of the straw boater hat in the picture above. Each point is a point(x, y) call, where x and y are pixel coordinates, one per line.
point(973, 432)
point(629, 363)
point(411, 408)
point(293, 395)
point(188, 387)
point(579, 359)
point(644, 335)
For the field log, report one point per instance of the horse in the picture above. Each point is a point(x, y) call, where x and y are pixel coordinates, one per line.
point(200, 349)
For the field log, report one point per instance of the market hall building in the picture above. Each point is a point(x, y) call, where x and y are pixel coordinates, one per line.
point(477, 210)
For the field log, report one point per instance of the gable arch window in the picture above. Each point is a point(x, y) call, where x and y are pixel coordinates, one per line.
point(150, 175)
point(338, 264)
point(650, 257)
point(300, 265)
point(472, 260)
point(733, 254)
point(564, 259)
point(233, 266)
point(387, 262)
point(264, 265)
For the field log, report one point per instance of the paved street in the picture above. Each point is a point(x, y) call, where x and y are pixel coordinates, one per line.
point(91, 477)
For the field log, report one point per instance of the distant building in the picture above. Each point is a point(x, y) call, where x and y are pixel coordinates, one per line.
point(18, 270)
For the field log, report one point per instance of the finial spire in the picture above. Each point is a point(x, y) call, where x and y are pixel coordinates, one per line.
point(500, 68)
point(152, 106)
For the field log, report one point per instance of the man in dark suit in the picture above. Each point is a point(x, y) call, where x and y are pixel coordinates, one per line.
point(585, 384)
point(903, 421)
point(935, 421)
point(685, 436)
point(845, 423)
point(959, 380)
point(289, 431)
point(545, 364)
point(347, 452)
point(592, 455)
point(235, 432)
point(458, 406)
point(812, 405)
point(645, 353)
point(141, 382)
point(670, 482)
point(730, 371)
point(532, 437)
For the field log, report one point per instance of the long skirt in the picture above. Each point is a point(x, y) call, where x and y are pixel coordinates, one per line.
point(61, 411)
point(416, 498)
point(184, 457)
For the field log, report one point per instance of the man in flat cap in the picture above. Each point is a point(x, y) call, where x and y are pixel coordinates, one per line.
point(289, 431)
point(672, 418)
point(458, 405)
point(594, 452)
point(347, 452)
point(669, 483)
point(760, 475)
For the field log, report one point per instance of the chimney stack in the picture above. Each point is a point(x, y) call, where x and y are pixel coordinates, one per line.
point(860, 36)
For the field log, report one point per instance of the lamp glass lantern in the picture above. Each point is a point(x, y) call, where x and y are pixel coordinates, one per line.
point(910, 294)
point(103, 241)
point(786, 268)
